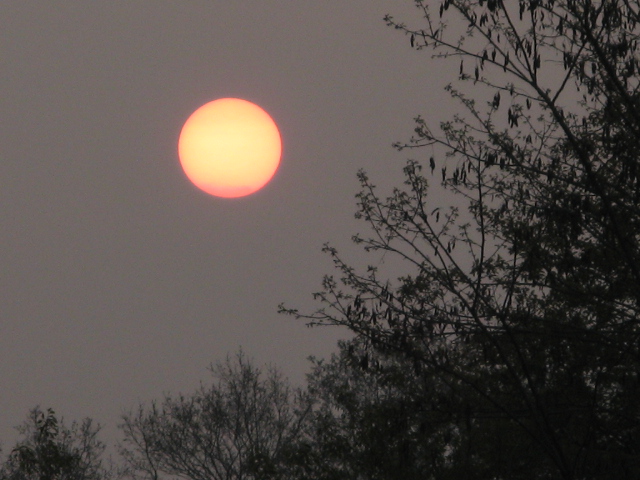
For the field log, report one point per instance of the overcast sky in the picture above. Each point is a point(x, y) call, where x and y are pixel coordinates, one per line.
point(119, 279)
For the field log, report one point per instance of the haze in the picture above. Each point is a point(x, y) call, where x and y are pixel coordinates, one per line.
point(120, 279)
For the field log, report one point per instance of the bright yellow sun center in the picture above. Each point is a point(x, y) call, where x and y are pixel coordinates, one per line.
point(230, 147)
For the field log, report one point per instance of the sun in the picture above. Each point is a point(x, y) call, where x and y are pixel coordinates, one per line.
point(230, 148)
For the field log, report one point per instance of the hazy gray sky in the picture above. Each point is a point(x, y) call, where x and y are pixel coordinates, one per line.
point(119, 279)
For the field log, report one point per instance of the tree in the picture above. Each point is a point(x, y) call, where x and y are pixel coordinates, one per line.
point(51, 451)
point(369, 422)
point(520, 310)
point(246, 425)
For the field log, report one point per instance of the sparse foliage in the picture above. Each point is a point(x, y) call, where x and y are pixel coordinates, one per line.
point(521, 308)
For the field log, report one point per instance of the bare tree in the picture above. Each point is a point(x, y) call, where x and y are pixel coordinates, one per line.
point(243, 426)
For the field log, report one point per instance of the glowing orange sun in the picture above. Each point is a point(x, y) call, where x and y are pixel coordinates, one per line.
point(230, 147)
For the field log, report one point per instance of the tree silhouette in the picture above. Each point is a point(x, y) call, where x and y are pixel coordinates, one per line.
point(519, 308)
point(369, 422)
point(51, 451)
point(246, 425)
